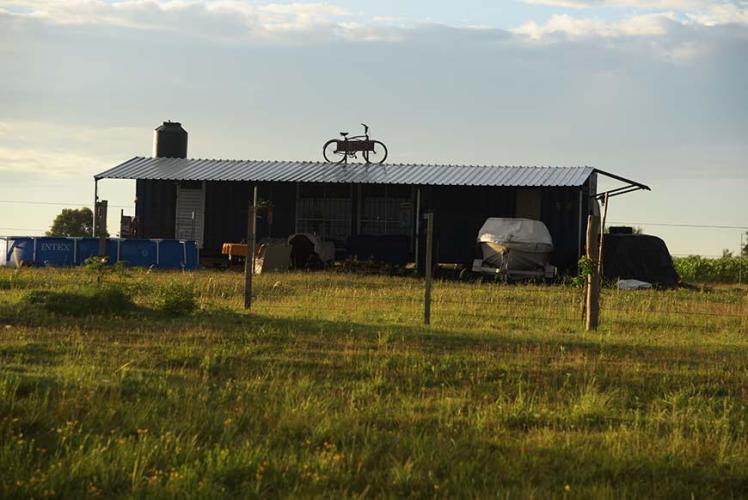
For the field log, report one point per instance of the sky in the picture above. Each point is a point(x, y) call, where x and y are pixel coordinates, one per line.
point(654, 90)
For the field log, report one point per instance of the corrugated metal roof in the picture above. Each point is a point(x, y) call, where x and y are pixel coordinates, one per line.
point(357, 173)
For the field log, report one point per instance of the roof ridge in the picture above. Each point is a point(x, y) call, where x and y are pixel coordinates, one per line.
point(319, 162)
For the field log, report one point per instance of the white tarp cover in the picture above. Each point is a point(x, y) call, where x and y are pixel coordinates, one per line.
point(633, 285)
point(517, 244)
point(523, 234)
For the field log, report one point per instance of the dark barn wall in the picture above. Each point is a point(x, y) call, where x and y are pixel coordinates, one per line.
point(282, 196)
point(560, 213)
point(226, 205)
point(155, 208)
point(225, 214)
point(459, 213)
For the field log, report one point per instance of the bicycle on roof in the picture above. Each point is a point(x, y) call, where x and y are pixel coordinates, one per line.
point(339, 150)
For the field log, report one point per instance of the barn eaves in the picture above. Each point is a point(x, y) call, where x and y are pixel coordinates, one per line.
point(181, 169)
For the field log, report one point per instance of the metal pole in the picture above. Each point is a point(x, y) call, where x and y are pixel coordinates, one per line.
point(252, 242)
point(429, 253)
point(581, 223)
point(418, 226)
point(96, 200)
point(249, 261)
point(743, 257)
point(602, 239)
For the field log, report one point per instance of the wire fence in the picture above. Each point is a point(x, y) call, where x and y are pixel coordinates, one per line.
point(551, 304)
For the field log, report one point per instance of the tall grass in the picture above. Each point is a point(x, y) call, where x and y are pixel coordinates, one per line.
point(331, 387)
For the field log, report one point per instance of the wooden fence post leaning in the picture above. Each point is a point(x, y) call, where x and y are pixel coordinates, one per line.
point(593, 279)
point(429, 259)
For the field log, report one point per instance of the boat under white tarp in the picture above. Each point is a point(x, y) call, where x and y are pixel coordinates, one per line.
point(515, 244)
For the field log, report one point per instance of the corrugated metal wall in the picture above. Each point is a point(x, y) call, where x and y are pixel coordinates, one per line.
point(155, 208)
point(459, 213)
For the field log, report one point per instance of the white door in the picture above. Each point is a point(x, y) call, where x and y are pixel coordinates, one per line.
point(190, 213)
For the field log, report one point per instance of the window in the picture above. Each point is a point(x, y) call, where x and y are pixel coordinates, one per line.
point(386, 210)
point(324, 210)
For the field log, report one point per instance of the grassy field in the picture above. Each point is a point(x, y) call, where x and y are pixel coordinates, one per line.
point(332, 388)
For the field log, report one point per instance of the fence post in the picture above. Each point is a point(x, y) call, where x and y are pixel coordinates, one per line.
point(593, 279)
point(429, 259)
point(249, 261)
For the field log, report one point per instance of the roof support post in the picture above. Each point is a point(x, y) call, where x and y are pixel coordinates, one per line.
point(96, 201)
point(417, 232)
point(580, 220)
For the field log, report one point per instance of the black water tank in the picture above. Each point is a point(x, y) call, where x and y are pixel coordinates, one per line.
point(170, 141)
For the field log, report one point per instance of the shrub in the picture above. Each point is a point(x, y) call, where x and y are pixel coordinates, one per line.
point(721, 270)
point(175, 299)
point(87, 301)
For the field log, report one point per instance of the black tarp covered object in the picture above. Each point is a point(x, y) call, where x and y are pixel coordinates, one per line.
point(638, 256)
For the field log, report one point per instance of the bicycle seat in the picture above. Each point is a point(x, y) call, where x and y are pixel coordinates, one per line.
point(344, 134)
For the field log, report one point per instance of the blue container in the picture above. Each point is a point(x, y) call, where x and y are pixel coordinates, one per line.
point(140, 253)
point(47, 251)
point(193, 255)
point(177, 254)
point(55, 252)
point(16, 250)
point(89, 247)
point(171, 254)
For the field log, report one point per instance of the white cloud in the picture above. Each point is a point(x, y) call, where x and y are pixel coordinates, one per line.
point(639, 4)
point(576, 27)
point(721, 14)
point(218, 19)
point(303, 23)
point(54, 149)
point(656, 24)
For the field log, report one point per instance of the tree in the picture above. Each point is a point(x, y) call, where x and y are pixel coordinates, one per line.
point(744, 250)
point(73, 222)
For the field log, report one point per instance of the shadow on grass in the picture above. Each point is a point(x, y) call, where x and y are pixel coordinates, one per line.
point(127, 321)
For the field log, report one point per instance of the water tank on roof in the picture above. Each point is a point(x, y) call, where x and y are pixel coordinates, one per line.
point(170, 141)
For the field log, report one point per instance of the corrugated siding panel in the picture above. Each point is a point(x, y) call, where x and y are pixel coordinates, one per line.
point(359, 173)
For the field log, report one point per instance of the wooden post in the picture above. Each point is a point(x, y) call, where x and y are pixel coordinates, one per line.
point(593, 280)
point(429, 259)
point(249, 261)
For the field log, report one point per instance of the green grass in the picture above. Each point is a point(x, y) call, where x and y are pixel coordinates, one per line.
point(331, 387)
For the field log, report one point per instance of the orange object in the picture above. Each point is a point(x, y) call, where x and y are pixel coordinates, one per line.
point(234, 249)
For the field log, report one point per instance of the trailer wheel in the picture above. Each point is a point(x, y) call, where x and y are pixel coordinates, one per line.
point(466, 275)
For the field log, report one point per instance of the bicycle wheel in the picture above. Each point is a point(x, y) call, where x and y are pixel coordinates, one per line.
point(328, 151)
point(379, 153)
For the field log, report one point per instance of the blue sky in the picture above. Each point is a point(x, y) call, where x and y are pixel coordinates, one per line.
point(655, 90)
